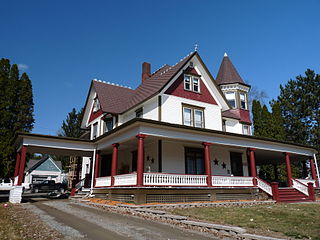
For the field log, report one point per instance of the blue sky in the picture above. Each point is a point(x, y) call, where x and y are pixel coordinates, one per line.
point(63, 45)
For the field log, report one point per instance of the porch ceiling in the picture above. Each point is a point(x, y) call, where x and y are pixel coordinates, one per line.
point(270, 157)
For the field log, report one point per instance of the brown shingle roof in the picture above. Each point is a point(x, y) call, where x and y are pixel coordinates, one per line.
point(228, 73)
point(117, 99)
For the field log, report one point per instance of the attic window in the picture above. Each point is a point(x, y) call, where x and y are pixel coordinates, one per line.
point(96, 105)
point(191, 83)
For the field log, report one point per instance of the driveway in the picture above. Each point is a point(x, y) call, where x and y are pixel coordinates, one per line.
point(80, 221)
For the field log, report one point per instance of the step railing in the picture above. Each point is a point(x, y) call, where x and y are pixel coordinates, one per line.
point(228, 181)
point(264, 186)
point(167, 179)
point(103, 181)
point(306, 181)
point(300, 187)
point(125, 179)
point(80, 184)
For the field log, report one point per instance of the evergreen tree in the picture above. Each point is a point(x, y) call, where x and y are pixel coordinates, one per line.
point(256, 117)
point(15, 96)
point(300, 107)
point(71, 127)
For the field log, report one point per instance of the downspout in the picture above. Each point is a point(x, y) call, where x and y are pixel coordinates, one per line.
point(93, 167)
point(317, 169)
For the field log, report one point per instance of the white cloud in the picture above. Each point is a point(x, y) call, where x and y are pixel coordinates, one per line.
point(23, 66)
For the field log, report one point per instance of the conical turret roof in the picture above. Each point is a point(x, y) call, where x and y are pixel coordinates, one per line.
point(228, 73)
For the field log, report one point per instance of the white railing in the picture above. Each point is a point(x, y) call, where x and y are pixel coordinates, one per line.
point(264, 186)
point(306, 181)
point(80, 184)
point(300, 187)
point(227, 181)
point(103, 182)
point(15, 182)
point(125, 179)
point(167, 179)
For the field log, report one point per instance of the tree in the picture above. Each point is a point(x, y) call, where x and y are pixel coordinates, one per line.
point(300, 107)
point(16, 111)
point(71, 127)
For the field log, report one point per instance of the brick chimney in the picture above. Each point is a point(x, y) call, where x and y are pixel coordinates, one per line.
point(146, 71)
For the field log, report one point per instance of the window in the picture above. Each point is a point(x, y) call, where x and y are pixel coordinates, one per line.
point(194, 161)
point(187, 82)
point(198, 118)
point(243, 102)
point(108, 124)
point(191, 83)
point(231, 98)
point(139, 113)
point(187, 116)
point(246, 130)
point(95, 130)
point(96, 105)
point(193, 117)
point(195, 84)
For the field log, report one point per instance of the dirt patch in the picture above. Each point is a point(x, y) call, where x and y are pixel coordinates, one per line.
point(17, 222)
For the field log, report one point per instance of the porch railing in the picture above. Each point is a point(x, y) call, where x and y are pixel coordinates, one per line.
point(103, 182)
point(80, 184)
point(306, 181)
point(163, 179)
point(125, 179)
point(228, 181)
point(264, 186)
point(300, 187)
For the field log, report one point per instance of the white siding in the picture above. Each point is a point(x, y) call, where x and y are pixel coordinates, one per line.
point(171, 111)
point(233, 126)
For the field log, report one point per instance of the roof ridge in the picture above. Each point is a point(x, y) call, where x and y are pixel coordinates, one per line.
point(111, 83)
point(164, 65)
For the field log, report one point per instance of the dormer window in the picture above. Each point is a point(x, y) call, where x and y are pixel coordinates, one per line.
point(187, 82)
point(191, 83)
point(139, 113)
point(243, 101)
point(231, 98)
point(96, 105)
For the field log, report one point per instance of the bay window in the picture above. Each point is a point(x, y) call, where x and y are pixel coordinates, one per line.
point(231, 98)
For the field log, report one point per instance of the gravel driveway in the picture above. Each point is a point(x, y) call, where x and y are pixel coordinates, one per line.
point(79, 221)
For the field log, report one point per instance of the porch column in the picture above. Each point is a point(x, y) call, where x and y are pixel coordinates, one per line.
point(114, 162)
point(288, 166)
point(140, 160)
point(96, 167)
point(22, 164)
point(207, 163)
point(253, 169)
point(16, 169)
point(313, 171)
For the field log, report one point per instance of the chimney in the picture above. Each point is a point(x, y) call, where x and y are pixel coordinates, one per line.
point(146, 71)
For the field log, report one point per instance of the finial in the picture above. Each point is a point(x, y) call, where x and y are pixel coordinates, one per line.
point(225, 54)
point(196, 47)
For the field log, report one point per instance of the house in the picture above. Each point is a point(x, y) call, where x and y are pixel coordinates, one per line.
point(38, 170)
point(181, 135)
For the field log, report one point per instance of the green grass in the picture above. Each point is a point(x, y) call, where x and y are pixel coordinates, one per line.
point(9, 229)
point(292, 220)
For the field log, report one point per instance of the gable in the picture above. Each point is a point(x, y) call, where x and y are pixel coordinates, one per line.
point(94, 115)
point(177, 89)
point(48, 165)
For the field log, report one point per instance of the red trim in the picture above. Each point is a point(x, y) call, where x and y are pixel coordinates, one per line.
point(94, 115)
point(312, 196)
point(253, 169)
point(313, 172)
point(22, 164)
point(275, 191)
point(140, 160)
point(207, 163)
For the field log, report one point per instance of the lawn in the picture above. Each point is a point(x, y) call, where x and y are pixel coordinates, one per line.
point(291, 220)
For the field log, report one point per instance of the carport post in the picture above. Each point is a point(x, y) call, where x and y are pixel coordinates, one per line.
point(96, 167)
point(289, 172)
point(22, 164)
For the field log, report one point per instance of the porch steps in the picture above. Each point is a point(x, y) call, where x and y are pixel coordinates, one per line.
point(290, 195)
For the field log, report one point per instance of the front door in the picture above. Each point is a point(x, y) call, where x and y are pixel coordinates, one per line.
point(194, 161)
point(236, 164)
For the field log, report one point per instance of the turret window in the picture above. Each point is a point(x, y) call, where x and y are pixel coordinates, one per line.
point(243, 101)
point(231, 98)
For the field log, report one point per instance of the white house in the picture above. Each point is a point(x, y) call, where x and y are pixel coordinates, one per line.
point(180, 136)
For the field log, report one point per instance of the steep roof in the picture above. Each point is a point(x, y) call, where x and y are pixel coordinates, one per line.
point(118, 99)
point(228, 73)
